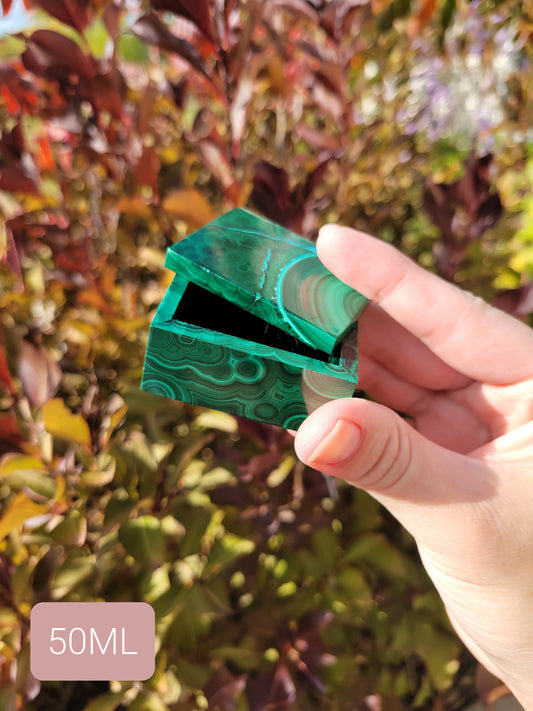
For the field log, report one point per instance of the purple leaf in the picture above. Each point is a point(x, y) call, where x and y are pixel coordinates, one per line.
point(272, 690)
point(55, 56)
point(271, 192)
point(71, 12)
point(195, 10)
point(517, 302)
point(39, 374)
point(223, 689)
point(152, 31)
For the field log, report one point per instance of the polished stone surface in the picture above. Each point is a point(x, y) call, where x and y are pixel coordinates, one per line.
point(270, 271)
point(253, 324)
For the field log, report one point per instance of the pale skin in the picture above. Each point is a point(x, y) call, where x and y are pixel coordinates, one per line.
point(457, 471)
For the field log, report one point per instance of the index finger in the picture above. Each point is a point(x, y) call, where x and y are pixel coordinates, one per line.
point(468, 334)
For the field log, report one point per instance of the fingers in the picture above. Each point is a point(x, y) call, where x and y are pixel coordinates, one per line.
point(428, 488)
point(472, 337)
point(391, 344)
point(389, 389)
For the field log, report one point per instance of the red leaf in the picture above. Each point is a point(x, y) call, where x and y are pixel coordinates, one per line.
point(517, 302)
point(71, 12)
point(147, 168)
point(463, 210)
point(195, 10)
point(11, 103)
point(223, 689)
point(10, 437)
point(13, 178)
point(105, 92)
point(146, 109)
point(216, 161)
point(271, 690)
point(57, 57)
point(6, 6)
point(12, 258)
point(112, 15)
point(45, 157)
point(12, 142)
point(5, 375)
point(39, 374)
point(18, 93)
point(271, 191)
point(152, 31)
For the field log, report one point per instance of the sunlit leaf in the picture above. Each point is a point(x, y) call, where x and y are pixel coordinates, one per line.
point(225, 550)
point(188, 205)
point(12, 463)
point(20, 510)
point(61, 422)
point(217, 420)
point(72, 530)
point(279, 474)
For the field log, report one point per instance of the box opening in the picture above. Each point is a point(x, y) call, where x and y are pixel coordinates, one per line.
point(203, 308)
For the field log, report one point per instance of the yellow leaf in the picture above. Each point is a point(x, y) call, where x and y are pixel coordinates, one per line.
point(189, 205)
point(16, 462)
point(61, 486)
point(18, 512)
point(61, 422)
point(117, 416)
point(135, 207)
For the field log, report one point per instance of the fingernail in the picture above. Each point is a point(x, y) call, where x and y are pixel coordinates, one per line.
point(341, 443)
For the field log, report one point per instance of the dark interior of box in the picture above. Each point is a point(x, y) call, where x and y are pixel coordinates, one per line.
point(202, 308)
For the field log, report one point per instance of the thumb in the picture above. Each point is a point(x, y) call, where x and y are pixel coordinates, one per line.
point(434, 492)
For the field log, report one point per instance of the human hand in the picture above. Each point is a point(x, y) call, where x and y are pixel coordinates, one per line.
point(458, 471)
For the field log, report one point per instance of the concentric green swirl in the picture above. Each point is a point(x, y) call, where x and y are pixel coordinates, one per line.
point(274, 274)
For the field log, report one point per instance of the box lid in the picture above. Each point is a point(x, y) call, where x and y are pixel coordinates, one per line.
point(271, 272)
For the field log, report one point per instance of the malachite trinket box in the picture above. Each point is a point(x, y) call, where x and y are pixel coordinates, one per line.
point(253, 324)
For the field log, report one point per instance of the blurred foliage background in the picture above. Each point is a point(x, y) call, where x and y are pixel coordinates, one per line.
point(126, 125)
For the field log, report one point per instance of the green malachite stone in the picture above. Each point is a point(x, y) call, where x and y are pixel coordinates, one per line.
point(253, 324)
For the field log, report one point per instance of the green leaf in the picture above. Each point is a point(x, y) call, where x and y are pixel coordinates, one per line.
point(72, 530)
point(131, 49)
point(38, 481)
point(447, 13)
point(225, 550)
point(212, 419)
point(375, 550)
point(245, 658)
point(118, 509)
point(97, 38)
point(195, 520)
point(277, 476)
point(106, 702)
point(147, 701)
point(143, 539)
point(74, 571)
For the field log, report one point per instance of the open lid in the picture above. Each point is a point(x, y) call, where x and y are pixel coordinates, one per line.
point(271, 272)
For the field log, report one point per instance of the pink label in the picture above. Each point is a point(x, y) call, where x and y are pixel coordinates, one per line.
point(92, 640)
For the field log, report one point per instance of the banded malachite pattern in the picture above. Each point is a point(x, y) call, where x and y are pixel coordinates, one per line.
point(272, 352)
point(271, 271)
